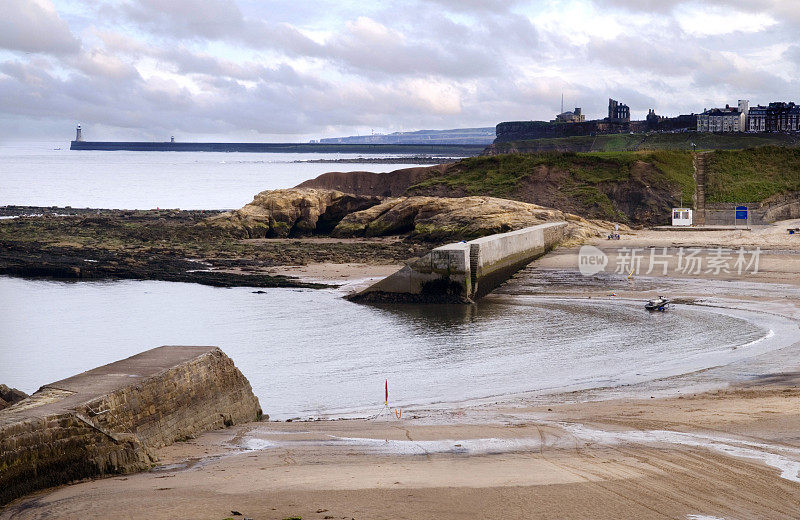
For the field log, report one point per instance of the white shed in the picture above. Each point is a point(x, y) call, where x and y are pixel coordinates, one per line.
point(681, 217)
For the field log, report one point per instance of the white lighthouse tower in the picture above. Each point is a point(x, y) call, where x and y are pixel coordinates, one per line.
point(78, 136)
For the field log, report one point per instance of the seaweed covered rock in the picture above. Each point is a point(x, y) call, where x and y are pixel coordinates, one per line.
point(436, 219)
point(292, 212)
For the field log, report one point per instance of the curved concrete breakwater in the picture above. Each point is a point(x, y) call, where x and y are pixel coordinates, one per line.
point(109, 419)
point(464, 271)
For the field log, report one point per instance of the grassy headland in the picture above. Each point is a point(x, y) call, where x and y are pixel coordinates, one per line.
point(626, 186)
point(652, 141)
point(637, 187)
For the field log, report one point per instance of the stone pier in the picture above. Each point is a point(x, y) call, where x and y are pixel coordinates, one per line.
point(464, 271)
point(109, 419)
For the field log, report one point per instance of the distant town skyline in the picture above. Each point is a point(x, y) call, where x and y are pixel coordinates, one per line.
point(285, 71)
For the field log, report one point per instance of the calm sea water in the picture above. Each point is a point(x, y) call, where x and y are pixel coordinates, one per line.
point(310, 352)
point(305, 352)
point(39, 175)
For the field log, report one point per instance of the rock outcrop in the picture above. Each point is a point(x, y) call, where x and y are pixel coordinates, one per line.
point(390, 184)
point(9, 396)
point(291, 213)
point(630, 188)
point(439, 219)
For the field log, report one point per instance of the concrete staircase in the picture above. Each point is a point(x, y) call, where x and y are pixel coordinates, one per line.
point(700, 162)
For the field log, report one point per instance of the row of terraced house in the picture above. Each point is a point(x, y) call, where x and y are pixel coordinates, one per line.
point(775, 117)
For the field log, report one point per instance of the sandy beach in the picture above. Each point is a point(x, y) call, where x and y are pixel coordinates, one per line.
point(726, 454)
point(721, 443)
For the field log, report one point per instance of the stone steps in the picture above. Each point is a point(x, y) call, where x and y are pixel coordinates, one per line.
point(700, 164)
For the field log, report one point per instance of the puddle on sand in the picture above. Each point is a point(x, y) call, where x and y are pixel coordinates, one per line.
point(786, 459)
point(783, 458)
point(482, 446)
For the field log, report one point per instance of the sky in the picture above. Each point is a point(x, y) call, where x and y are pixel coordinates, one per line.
point(293, 70)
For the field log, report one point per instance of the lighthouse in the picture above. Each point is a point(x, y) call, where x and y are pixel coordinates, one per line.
point(78, 136)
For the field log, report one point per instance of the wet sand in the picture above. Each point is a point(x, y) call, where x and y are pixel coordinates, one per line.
point(616, 459)
point(332, 273)
point(730, 452)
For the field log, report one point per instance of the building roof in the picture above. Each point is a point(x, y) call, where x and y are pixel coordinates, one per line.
point(732, 111)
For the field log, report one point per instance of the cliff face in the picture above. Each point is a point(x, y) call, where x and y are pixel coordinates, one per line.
point(108, 420)
point(522, 130)
point(528, 130)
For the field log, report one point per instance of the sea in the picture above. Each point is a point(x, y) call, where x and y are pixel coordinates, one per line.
point(50, 174)
point(310, 353)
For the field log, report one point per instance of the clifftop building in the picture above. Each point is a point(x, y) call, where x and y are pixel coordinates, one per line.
point(618, 113)
point(775, 117)
point(728, 119)
point(617, 122)
point(570, 117)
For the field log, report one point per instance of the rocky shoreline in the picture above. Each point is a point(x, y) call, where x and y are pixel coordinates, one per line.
point(168, 245)
point(245, 247)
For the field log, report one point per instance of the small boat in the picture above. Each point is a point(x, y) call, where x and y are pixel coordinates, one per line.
point(659, 304)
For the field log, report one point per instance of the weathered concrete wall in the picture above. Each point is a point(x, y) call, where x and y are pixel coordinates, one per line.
point(441, 276)
point(497, 257)
point(108, 420)
point(464, 271)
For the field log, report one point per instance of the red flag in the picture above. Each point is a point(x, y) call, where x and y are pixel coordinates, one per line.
point(387, 392)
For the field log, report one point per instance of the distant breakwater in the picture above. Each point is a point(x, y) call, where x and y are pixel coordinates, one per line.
point(466, 150)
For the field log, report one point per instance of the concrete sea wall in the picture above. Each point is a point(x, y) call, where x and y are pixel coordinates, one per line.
point(785, 206)
point(441, 276)
point(494, 259)
point(464, 271)
point(108, 420)
point(466, 150)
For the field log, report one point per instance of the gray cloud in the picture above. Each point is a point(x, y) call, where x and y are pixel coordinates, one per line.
point(150, 68)
point(210, 19)
point(372, 47)
point(34, 26)
point(473, 6)
point(281, 101)
point(784, 11)
point(437, 46)
point(793, 54)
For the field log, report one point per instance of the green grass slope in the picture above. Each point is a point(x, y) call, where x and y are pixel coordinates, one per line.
point(638, 187)
point(752, 175)
point(653, 141)
point(627, 186)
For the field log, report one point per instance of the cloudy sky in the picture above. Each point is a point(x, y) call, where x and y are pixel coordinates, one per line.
point(285, 70)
